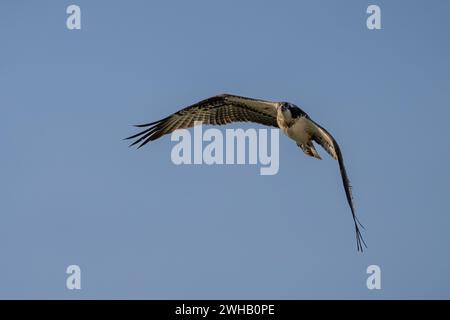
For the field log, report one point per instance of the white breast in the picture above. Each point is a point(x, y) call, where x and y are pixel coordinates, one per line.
point(301, 131)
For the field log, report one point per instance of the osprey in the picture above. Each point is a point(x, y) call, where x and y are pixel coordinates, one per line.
point(226, 108)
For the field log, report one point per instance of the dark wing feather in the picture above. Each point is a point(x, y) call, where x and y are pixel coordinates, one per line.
point(326, 140)
point(217, 110)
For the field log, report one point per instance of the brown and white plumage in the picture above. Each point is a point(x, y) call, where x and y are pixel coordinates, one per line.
point(225, 109)
point(217, 110)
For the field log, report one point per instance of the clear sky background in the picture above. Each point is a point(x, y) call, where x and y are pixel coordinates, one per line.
point(72, 192)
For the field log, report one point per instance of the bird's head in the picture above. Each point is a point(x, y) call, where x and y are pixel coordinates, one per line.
point(284, 109)
point(290, 111)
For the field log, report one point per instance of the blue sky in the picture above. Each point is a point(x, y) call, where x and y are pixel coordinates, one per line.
point(141, 227)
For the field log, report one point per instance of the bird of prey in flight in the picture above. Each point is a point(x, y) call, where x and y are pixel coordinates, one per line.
point(224, 109)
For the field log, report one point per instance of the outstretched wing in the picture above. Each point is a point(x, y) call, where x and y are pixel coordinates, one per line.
point(326, 140)
point(217, 110)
